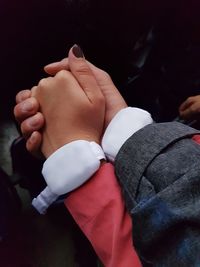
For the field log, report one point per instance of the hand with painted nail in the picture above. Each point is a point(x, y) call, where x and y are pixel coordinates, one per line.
point(73, 110)
point(114, 100)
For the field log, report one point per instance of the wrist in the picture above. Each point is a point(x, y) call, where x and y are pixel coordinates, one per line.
point(49, 147)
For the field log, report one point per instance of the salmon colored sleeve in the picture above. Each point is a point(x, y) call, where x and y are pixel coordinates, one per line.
point(196, 138)
point(99, 210)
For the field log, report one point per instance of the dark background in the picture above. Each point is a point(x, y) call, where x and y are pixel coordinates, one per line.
point(34, 33)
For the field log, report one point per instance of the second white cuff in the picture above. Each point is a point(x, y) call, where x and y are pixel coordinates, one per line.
point(125, 123)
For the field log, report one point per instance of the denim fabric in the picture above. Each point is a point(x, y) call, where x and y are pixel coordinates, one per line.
point(159, 170)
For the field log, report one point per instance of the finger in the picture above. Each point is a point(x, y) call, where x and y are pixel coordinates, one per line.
point(190, 112)
point(185, 105)
point(33, 144)
point(55, 67)
point(22, 95)
point(83, 74)
point(42, 83)
point(31, 124)
point(33, 91)
point(193, 111)
point(26, 108)
point(185, 114)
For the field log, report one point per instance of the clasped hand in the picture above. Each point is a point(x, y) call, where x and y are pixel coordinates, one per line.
point(76, 104)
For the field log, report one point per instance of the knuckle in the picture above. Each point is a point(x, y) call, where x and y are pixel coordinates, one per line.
point(32, 145)
point(31, 124)
point(25, 129)
point(33, 90)
point(39, 120)
point(22, 95)
point(42, 83)
point(24, 109)
point(62, 75)
point(18, 96)
point(33, 103)
point(83, 69)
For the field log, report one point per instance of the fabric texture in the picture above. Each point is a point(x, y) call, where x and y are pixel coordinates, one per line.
point(125, 123)
point(61, 173)
point(159, 170)
point(99, 210)
point(60, 169)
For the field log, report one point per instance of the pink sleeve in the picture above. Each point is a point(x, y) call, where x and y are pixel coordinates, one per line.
point(196, 138)
point(99, 210)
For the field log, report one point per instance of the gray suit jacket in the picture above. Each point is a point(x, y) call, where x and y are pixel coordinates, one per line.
point(159, 171)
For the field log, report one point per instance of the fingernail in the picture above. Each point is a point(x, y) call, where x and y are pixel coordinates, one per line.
point(32, 138)
point(77, 51)
point(26, 106)
point(33, 123)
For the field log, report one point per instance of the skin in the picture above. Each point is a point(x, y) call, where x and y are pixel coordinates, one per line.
point(190, 108)
point(27, 110)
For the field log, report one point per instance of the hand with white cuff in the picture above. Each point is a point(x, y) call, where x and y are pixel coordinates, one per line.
point(72, 104)
point(127, 121)
point(71, 119)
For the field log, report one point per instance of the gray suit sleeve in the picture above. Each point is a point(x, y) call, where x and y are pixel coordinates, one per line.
point(159, 169)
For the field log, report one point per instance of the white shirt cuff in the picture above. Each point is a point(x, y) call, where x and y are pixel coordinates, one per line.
point(44, 200)
point(124, 124)
point(72, 165)
point(66, 169)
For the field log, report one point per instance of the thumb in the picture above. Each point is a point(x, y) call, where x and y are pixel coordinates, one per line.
point(83, 74)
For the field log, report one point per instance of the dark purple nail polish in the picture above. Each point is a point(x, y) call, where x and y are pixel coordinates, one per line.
point(77, 51)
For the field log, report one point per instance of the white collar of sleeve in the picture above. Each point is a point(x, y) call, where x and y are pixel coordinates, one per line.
point(124, 124)
point(68, 168)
